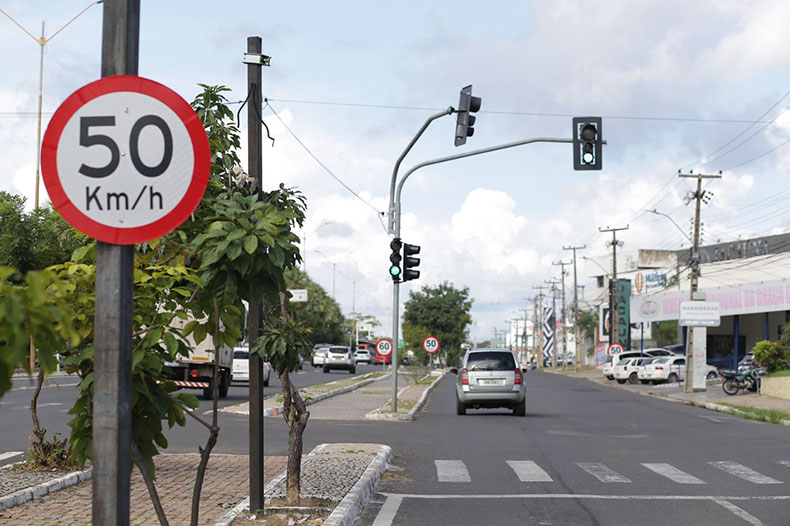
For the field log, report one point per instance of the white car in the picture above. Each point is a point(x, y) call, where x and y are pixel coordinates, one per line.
point(363, 355)
point(240, 371)
point(626, 369)
point(340, 358)
point(671, 369)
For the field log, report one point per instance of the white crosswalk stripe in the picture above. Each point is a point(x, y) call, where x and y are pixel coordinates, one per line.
point(528, 471)
point(452, 471)
point(9, 454)
point(672, 473)
point(602, 473)
point(741, 471)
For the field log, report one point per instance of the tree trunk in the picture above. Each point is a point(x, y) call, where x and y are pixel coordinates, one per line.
point(38, 433)
point(149, 483)
point(295, 415)
point(214, 432)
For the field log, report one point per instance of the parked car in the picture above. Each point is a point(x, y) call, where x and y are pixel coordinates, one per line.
point(611, 361)
point(340, 358)
point(490, 378)
point(640, 369)
point(747, 362)
point(240, 370)
point(672, 369)
point(363, 355)
point(626, 369)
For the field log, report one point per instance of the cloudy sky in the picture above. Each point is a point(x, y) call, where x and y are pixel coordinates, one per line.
point(701, 85)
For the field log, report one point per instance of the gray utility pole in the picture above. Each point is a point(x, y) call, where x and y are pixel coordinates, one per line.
point(554, 283)
point(576, 328)
point(524, 336)
point(564, 335)
point(539, 320)
point(255, 60)
point(112, 387)
point(613, 318)
point(698, 195)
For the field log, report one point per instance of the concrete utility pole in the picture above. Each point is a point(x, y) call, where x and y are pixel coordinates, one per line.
point(554, 283)
point(112, 385)
point(577, 329)
point(524, 336)
point(539, 319)
point(564, 335)
point(697, 196)
point(613, 317)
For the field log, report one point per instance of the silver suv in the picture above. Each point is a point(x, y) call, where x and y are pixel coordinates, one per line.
point(340, 358)
point(490, 378)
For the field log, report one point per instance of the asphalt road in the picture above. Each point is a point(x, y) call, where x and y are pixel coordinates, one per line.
point(588, 455)
point(310, 375)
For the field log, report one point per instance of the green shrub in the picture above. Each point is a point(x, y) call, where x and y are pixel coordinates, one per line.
point(770, 354)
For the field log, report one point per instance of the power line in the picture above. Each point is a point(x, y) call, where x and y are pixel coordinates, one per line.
point(321, 164)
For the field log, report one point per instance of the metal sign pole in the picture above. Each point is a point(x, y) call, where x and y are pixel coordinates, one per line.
point(112, 415)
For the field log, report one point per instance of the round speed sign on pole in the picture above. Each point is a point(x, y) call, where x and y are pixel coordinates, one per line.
point(125, 160)
point(431, 344)
point(615, 348)
point(384, 347)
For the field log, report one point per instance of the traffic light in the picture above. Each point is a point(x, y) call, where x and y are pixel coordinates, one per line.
point(395, 245)
point(465, 124)
point(410, 263)
point(587, 141)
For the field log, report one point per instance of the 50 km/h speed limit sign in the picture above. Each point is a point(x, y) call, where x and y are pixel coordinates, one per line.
point(384, 347)
point(431, 344)
point(125, 159)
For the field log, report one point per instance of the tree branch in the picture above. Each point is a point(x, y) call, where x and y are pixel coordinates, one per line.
point(149, 483)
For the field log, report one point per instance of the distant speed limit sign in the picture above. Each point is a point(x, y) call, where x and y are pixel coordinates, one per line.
point(125, 159)
point(431, 344)
point(384, 347)
point(616, 348)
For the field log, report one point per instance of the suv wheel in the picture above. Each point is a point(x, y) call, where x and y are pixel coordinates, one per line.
point(326, 369)
point(460, 408)
point(520, 409)
point(633, 379)
point(353, 370)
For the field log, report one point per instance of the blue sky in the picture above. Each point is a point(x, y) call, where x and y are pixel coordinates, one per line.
point(674, 81)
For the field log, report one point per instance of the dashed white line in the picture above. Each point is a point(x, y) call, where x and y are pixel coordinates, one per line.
point(528, 471)
point(602, 473)
point(386, 515)
point(740, 512)
point(452, 471)
point(742, 472)
point(672, 473)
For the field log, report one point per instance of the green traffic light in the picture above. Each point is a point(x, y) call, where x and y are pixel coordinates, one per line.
point(394, 270)
point(588, 158)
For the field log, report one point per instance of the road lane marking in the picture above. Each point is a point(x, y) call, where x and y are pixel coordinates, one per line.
point(742, 472)
point(528, 471)
point(672, 473)
point(387, 512)
point(740, 512)
point(785, 463)
point(9, 454)
point(602, 473)
point(452, 471)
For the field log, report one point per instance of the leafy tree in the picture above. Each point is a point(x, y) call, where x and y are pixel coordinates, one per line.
point(442, 310)
point(588, 321)
point(321, 313)
point(665, 332)
point(770, 354)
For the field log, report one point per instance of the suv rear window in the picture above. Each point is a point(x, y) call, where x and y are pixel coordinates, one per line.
point(338, 350)
point(490, 361)
point(241, 355)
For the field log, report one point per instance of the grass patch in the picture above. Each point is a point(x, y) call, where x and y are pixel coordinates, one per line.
point(778, 374)
point(761, 415)
point(426, 380)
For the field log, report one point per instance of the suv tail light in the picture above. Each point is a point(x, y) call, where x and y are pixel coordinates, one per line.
point(518, 377)
point(464, 377)
point(659, 368)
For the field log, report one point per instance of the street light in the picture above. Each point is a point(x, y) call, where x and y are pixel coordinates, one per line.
point(43, 42)
point(334, 265)
point(654, 211)
point(304, 243)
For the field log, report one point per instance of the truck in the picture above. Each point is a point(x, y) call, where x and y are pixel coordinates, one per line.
point(196, 370)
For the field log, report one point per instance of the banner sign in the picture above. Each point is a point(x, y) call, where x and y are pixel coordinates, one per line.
point(623, 291)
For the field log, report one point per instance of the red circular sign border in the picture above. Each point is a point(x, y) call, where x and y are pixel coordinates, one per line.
point(200, 172)
point(620, 345)
point(384, 340)
point(438, 345)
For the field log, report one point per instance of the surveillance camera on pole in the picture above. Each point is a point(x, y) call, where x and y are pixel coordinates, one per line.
point(467, 105)
point(587, 143)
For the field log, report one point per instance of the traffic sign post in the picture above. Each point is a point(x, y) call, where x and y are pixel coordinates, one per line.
point(384, 347)
point(431, 346)
point(615, 348)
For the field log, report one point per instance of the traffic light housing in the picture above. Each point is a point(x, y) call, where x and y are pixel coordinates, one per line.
point(465, 122)
point(410, 263)
point(587, 143)
point(395, 271)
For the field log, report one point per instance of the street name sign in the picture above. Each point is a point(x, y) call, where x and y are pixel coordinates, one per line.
point(431, 344)
point(298, 295)
point(384, 347)
point(699, 314)
point(125, 160)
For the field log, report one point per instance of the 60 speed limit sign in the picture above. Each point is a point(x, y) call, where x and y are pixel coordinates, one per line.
point(384, 347)
point(125, 159)
point(431, 344)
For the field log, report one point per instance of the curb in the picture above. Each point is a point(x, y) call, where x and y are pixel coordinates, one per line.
point(36, 492)
point(376, 414)
point(350, 507)
point(727, 409)
point(324, 396)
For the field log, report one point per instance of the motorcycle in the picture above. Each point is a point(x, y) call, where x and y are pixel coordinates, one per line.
point(747, 380)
